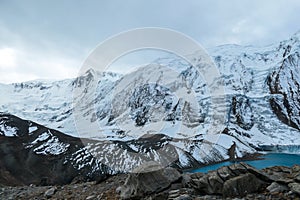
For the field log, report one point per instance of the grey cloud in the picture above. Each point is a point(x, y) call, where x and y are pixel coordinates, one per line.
point(67, 30)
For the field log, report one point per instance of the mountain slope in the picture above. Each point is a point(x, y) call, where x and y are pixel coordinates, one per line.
point(33, 154)
point(167, 103)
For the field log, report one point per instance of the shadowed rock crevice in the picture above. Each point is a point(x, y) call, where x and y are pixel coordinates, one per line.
point(284, 85)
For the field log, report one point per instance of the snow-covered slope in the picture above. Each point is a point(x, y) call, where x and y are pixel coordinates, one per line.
point(250, 74)
point(31, 152)
point(170, 98)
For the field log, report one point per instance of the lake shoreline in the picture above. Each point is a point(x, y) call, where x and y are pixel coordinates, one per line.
point(247, 157)
point(260, 161)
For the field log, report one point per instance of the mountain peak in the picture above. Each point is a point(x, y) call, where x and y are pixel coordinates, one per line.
point(90, 72)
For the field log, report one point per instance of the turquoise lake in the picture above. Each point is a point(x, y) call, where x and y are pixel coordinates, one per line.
point(269, 160)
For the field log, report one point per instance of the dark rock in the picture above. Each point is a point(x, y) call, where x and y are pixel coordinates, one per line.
point(242, 185)
point(285, 180)
point(297, 178)
point(176, 186)
point(148, 179)
point(186, 180)
point(241, 112)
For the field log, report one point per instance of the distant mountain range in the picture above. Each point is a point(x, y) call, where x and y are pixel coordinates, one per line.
point(130, 119)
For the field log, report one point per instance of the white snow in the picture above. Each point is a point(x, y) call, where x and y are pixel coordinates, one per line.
point(8, 131)
point(32, 129)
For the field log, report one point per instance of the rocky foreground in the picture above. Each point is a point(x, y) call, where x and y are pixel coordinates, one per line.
point(238, 181)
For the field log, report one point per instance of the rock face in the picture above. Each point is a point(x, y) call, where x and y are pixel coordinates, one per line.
point(284, 82)
point(237, 180)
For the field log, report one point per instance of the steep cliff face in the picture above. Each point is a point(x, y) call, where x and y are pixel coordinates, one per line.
point(284, 85)
point(262, 87)
point(241, 112)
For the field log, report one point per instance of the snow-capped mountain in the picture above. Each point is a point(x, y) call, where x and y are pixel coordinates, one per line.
point(262, 88)
point(168, 103)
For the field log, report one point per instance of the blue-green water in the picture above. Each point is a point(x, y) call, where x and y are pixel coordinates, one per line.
point(269, 160)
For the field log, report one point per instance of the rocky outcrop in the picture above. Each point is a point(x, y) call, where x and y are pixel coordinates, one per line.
point(285, 87)
point(237, 180)
point(148, 179)
point(234, 180)
point(151, 181)
point(241, 112)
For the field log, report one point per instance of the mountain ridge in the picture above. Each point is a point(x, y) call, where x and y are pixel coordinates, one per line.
point(169, 98)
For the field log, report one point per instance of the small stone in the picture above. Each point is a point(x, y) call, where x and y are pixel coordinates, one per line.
point(172, 196)
point(277, 188)
point(174, 191)
point(90, 197)
point(49, 193)
point(183, 197)
point(118, 190)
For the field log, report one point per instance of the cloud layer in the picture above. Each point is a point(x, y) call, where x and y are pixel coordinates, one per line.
point(51, 39)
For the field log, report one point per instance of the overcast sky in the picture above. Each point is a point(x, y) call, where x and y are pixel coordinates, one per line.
point(51, 39)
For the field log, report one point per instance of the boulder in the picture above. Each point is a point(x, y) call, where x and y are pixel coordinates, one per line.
point(277, 188)
point(148, 179)
point(242, 185)
point(295, 187)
